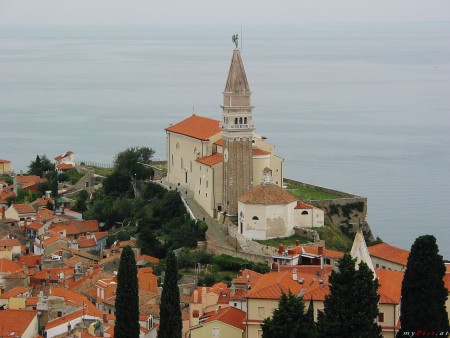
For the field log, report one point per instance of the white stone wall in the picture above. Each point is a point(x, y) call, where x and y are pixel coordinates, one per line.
point(313, 218)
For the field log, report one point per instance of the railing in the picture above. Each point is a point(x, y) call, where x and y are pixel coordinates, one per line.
point(237, 126)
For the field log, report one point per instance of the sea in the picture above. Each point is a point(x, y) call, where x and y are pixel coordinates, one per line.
point(358, 107)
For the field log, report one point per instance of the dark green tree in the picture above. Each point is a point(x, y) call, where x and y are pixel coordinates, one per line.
point(288, 320)
point(132, 162)
point(170, 314)
point(127, 297)
point(40, 166)
point(310, 325)
point(423, 291)
point(54, 187)
point(351, 308)
point(117, 184)
point(149, 243)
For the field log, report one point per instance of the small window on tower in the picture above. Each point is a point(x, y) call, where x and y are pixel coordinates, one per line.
point(236, 120)
point(255, 218)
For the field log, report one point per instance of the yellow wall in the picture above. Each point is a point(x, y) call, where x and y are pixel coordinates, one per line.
point(226, 331)
point(5, 168)
point(6, 254)
point(17, 303)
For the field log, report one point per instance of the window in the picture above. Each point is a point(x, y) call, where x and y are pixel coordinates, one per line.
point(381, 317)
point(240, 120)
point(86, 184)
point(216, 332)
point(172, 159)
point(261, 312)
point(207, 183)
point(304, 212)
point(236, 120)
point(245, 120)
point(255, 218)
point(190, 166)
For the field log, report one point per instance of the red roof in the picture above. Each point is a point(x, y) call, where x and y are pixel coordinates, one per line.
point(10, 322)
point(219, 142)
point(9, 242)
point(257, 152)
point(24, 208)
point(301, 205)
point(210, 160)
point(147, 258)
point(65, 166)
point(18, 290)
point(29, 179)
point(34, 226)
point(100, 235)
point(30, 260)
point(390, 288)
point(5, 161)
point(273, 284)
point(228, 315)
point(389, 253)
point(198, 127)
point(84, 242)
point(9, 266)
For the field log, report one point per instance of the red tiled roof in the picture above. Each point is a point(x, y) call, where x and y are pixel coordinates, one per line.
point(389, 253)
point(257, 152)
point(273, 284)
point(248, 277)
point(219, 142)
point(9, 266)
point(78, 299)
point(100, 235)
point(267, 194)
point(198, 127)
point(210, 160)
point(314, 250)
point(65, 166)
point(390, 288)
point(24, 208)
point(64, 319)
point(18, 290)
point(228, 315)
point(301, 205)
point(147, 258)
point(84, 242)
point(9, 242)
point(5, 161)
point(31, 301)
point(34, 226)
point(30, 179)
point(30, 260)
point(10, 323)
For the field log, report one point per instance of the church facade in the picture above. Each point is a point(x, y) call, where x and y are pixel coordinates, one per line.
point(220, 160)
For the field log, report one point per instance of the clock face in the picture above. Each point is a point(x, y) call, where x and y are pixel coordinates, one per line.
point(225, 155)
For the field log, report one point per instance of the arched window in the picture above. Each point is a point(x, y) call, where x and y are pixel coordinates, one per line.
point(240, 120)
point(304, 212)
point(236, 120)
point(245, 120)
point(255, 218)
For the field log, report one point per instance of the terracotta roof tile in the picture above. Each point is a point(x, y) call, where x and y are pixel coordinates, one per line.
point(30, 260)
point(258, 152)
point(65, 166)
point(228, 315)
point(14, 292)
point(273, 284)
point(210, 160)
point(389, 253)
point(219, 142)
point(34, 226)
point(301, 205)
point(390, 288)
point(7, 266)
point(267, 194)
point(10, 323)
point(197, 127)
point(9, 242)
point(24, 208)
point(147, 258)
point(84, 242)
point(5, 161)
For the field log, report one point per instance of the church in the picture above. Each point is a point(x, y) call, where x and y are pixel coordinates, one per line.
point(221, 160)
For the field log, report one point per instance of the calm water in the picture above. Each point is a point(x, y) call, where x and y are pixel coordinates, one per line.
point(363, 108)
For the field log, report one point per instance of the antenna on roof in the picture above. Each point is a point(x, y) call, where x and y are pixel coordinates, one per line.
point(241, 39)
point(193, 110)
point(235, 39)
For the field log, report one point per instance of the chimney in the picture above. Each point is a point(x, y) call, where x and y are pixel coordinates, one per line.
point(195, 296)
point(297, 243)
point(320, 250)
point(91, 270)
point(105, 318)
point(280, 249)
point(25, 268)
point(3, 212)
point(294, 274)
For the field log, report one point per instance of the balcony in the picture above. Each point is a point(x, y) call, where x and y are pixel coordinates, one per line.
point(237, 126)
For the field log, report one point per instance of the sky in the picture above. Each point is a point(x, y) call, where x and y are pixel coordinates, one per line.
point(239, 12)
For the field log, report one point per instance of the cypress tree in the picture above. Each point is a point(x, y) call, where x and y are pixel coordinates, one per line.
point(127, 297)
point(423, 291)
point(352, 306)
point(288, 320)
point(310, 325)
point(170, 314)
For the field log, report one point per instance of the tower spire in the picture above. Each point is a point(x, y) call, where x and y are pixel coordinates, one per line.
point(237, 132)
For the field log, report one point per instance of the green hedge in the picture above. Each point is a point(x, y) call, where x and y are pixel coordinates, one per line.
point(229, 263)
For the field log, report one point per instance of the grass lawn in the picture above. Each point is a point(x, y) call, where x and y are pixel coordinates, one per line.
point(286, 241)
point(306, 194)
point(101, 171)
point(334, 238)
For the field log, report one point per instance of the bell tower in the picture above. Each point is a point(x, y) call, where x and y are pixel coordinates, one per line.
point(237, 127)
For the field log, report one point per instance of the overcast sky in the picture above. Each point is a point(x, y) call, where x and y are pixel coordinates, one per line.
point(239, 12)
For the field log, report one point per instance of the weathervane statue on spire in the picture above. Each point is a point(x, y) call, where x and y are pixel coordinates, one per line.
point(235, 38)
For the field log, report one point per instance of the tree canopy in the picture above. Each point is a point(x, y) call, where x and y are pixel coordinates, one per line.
point(170, 314)
point(423, 291)
point(351, 308)
point(288, 319)
point(127, 297)
point(40, 165)
point(132, 162)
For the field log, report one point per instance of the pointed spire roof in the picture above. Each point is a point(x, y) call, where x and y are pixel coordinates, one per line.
point(360, 252)
point(237, 80)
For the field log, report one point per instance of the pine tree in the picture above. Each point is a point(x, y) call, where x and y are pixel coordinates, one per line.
point(170, 314)
point(288, 320)
point(423, 291)
point(127, 297)
point(352, 306)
